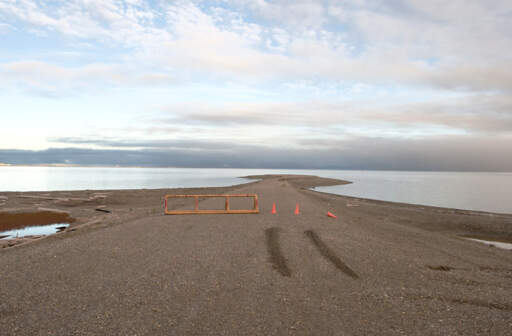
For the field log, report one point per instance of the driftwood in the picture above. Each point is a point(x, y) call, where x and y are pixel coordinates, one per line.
point(103, 210)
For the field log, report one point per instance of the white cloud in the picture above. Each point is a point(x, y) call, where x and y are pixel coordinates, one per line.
point(444, 45)
point(50, 79)
point(291, 122)
point(5, 28)
point(295, 14)
point(298, 52)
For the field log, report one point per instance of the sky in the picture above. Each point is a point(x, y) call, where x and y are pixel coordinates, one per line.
point(356, 84)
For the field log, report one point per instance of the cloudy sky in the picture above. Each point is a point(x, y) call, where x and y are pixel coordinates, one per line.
point(357, 84)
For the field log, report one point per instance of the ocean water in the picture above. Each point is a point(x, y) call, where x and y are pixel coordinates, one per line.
point(462, 190)
point(482, 191)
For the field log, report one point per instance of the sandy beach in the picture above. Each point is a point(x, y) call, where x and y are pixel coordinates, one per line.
point(124, 268)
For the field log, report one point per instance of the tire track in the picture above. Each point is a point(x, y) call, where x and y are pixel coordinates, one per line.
point(274, 250)
point(328, 254)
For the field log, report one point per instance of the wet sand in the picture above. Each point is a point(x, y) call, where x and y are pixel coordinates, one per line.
point(380, 268)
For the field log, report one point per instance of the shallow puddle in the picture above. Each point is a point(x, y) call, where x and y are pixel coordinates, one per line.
point(32, 223)
point(506, 246)
point(41, 230)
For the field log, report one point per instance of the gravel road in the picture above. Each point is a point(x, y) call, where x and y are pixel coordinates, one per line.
point(377, 269)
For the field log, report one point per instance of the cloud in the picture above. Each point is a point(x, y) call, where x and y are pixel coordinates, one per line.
point(475, 114)
point(47, 78)
point(463, 46)
point(281, 79)
point(6, 28)
point(445, 153)
point(474, 77)
point(301, 14)
point(107, 21)
point(490, 113)
point(147, 144)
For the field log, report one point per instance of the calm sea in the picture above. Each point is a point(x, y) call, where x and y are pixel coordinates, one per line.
point(473, 191)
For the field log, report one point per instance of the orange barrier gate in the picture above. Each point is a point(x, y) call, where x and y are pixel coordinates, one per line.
point(226, 210)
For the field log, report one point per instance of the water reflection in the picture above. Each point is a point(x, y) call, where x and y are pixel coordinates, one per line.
point(41, 230)
point(506, 246)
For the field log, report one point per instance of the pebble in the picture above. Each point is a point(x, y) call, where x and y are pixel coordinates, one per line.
point(4, 243)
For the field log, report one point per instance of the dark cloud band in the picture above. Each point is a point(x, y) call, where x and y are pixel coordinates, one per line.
point(443, 154)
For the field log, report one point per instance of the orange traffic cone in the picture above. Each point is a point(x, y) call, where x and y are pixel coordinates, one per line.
point(297, 209)
point(274, 208)
point(331, 215)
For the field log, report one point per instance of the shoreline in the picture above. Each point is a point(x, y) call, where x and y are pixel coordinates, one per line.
point(424, 206)
point(250, 179)
point(80, 204)
point(492, 203)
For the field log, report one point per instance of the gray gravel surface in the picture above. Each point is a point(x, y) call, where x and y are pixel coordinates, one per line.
point(365, 273)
